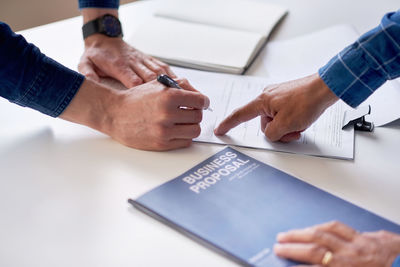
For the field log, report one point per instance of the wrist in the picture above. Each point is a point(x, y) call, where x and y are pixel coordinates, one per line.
point(100, 24)
point(96, 40)
point(89, 14)
point(323, 92)
point(90, 106)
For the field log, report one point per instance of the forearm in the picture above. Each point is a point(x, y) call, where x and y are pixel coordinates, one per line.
point(29, 78)
point(356, 72)
point(89, 14)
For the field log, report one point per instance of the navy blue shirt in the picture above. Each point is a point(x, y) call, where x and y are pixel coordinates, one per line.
point(99, 3)
point(31, 79)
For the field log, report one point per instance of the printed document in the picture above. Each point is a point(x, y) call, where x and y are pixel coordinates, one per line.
point(227, 92)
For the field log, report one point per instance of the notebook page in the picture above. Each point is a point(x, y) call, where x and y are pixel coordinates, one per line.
point(245, 15)
point(194, 43)
point(324, 138)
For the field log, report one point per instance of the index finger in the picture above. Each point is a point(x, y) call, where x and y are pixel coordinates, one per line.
point(238, 116)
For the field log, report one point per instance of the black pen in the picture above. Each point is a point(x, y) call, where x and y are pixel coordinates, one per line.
point(168, 81)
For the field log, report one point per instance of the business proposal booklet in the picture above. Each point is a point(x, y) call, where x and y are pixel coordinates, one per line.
point(236, 205)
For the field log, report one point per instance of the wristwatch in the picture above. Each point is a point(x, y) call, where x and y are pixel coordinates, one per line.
point(108, 25)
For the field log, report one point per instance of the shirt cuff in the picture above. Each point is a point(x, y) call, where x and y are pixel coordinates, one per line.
point(356, 72)
point(98, 3)
point(351, 76)
point(396, 262)
point(52, 89)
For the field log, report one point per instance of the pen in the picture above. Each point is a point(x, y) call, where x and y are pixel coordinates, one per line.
point(168, 81)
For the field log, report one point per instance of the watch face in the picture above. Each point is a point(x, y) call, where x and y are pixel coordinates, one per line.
point(111, 26)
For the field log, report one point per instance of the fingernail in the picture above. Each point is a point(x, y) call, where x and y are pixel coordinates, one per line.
point(207, 104)
point(279, 236)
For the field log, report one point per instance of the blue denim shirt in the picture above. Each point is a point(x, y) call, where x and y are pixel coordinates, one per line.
point(31, 79)
point(361, 68)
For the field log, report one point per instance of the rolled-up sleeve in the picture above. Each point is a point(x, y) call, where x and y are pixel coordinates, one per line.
point(396, 262)
point(31, 79)
point(98, 3)
point(357, 71)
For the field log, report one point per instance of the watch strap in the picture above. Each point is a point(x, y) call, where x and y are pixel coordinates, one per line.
point(90, 28)
point(98, 26)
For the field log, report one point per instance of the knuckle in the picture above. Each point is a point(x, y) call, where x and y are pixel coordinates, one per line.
point(315, 250)
point(160, 133)
point(163, 117)
point(135, 81)
point(196, 130)
point(317, 234)
point(198, 116)
point(120, 62)
point(169, 95)
point(187, 143)
point(133, 56)
point(334, 225)
point(383, 233)
point(158, 69)
point(151, 76)
point(163, 65)
point(235, 115)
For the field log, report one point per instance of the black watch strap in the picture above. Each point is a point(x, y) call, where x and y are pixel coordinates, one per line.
point(107, 24)
point(90, 28)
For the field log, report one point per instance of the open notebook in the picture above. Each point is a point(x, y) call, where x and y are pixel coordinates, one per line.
point(213, 35)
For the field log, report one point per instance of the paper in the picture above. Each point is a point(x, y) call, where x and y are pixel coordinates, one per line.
point(324, 138)
point(384, 103)
point(195, 43)
point(249, 16)
point(213, 35)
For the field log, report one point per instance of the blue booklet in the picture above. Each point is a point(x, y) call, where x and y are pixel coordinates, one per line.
point(236, 205)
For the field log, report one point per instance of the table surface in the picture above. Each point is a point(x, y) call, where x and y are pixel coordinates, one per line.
point(64, 187)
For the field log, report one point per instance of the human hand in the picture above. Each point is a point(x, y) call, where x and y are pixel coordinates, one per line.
point(113, 57)
point(348, 247)
point(149, 116)
point(286, 109)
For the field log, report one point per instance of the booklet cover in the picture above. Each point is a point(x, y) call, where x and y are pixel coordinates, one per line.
point(236, 205)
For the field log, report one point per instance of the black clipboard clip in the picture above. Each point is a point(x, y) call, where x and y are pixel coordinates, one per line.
point(357, 118)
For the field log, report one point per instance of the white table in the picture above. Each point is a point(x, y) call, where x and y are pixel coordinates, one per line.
point(63, 187)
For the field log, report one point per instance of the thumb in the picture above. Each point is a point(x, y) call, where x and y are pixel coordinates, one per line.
point(88, 69)
point(238, 116)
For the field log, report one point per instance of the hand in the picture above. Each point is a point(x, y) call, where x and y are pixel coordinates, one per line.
point(112, 57)
point(149, 116)
point(348, 247)
point(286, 109)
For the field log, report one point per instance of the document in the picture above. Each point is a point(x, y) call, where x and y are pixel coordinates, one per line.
point(227, 92)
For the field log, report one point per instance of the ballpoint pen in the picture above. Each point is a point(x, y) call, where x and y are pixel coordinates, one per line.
point(168, 81)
